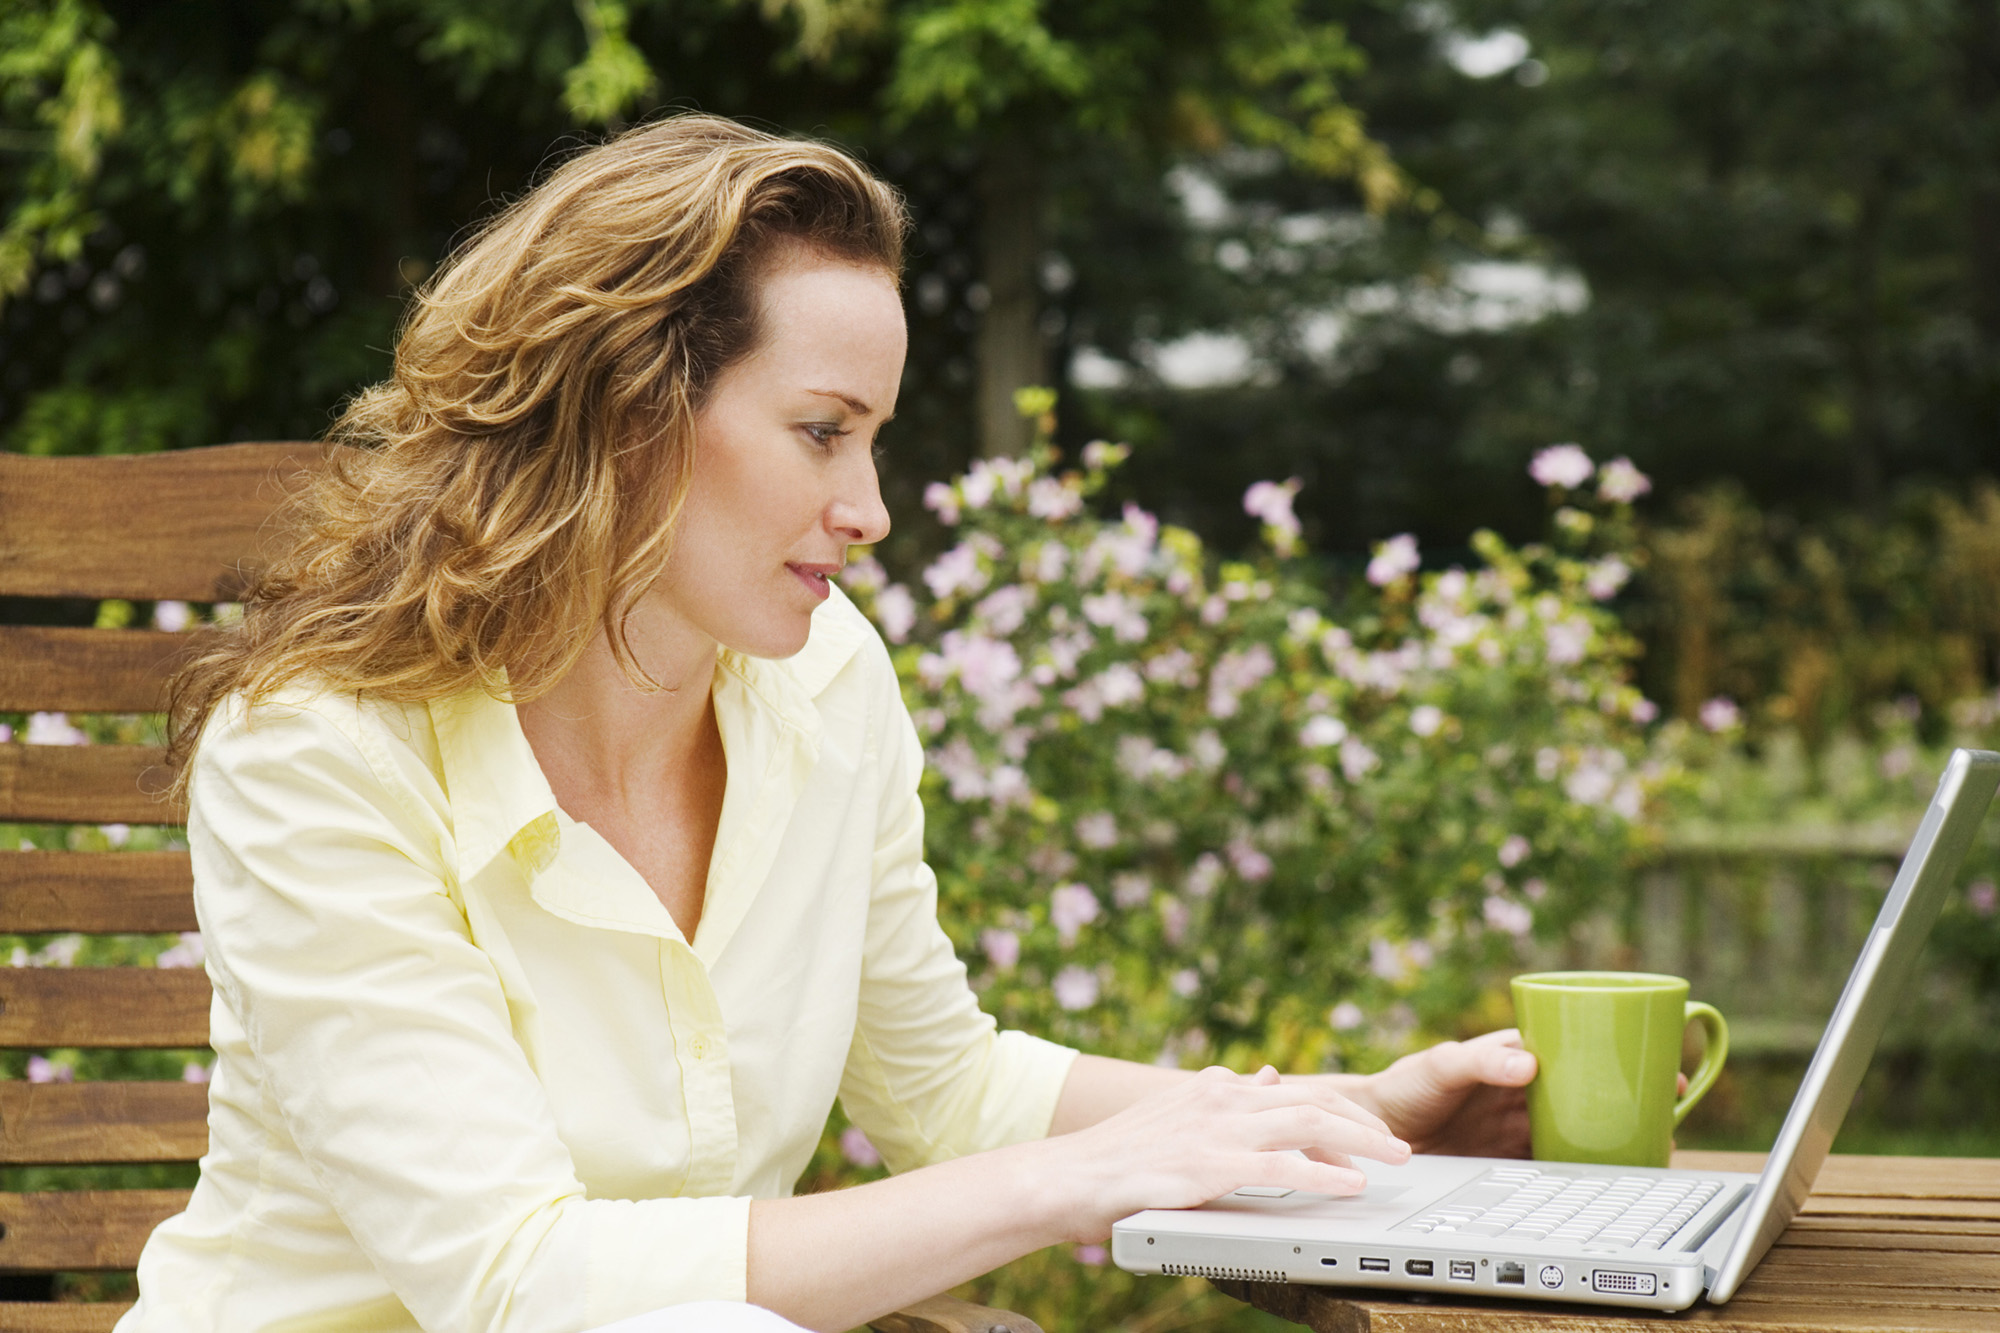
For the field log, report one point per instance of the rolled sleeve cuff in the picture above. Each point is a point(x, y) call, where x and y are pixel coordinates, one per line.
point(1026, 1081)
point(652, 1253)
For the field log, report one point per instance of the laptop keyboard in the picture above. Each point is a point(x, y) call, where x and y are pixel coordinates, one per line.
point(1524, 1203)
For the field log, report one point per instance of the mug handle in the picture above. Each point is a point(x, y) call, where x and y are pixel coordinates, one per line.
point(1705, 1073)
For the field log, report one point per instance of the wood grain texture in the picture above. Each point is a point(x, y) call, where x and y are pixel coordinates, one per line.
point(97, 893)
point(81, 1230)
point(70, 670)
point(180, 525)
point(947, 1314)
point(42, 1007)
point(51, 1124)
point(86, 784)
point(1886, 1245)
point(60, 1317)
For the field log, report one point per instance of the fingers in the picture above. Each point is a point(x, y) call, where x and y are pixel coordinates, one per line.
point(1315, 1129)
point(1495, 1057)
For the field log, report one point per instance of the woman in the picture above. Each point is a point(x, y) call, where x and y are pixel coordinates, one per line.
point(556, 835)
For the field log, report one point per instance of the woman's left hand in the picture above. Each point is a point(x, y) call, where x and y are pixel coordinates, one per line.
point(1463, 1098)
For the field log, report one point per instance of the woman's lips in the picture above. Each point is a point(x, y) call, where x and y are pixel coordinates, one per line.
point(815, 577)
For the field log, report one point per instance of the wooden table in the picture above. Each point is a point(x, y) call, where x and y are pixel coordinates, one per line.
point(1884, 1245)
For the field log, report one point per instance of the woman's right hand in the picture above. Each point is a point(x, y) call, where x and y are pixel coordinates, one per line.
point(1213, 1133)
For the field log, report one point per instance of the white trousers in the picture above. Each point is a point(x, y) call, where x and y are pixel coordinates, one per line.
point(705, 1317)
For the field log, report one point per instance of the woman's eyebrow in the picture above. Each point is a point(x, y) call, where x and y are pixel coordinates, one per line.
point(860, 408)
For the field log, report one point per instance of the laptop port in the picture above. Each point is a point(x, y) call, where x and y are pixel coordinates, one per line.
point(1462, 1270)
point(1510, 1275)
point(1417, 1267)
point(1374, 1265)
point(1624, 1284)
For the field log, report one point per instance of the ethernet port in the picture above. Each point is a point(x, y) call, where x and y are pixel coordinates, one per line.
point(1510, 1275)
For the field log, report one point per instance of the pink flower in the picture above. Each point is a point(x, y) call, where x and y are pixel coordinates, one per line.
point(1121, 615)
point(1606, 577)
point(1130, 888)
point(1621, 483)
point(1567, 641)
point(1052, 500)
point(43, 1070)
point(1185, 982)
point(1071, 908)
point(1234, 673)
point(1204, 875)
point(1562, 465)
point(53, 729)
point(1322, 731)
point(957, 570)
point(1394, 559)
point(1507, 917)
point(856, 1148)
point(942, 500)
point(1357, 761)
point(1644, 711)
point(1005, 608)
point(1514, 851)
point(1721, 714)
point(895, 612)
point(1426, 719)
point(1982, 897)
point(1075, 988)
point(1001, 947)
point(1345, 1016)
point(194, 1073)
point(173, 617)
point(1272, 502)
point(1091, 1256)
point(1250, 863)
point(1097, 831)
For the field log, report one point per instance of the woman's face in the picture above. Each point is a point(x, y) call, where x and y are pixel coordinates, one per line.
point(784, 465)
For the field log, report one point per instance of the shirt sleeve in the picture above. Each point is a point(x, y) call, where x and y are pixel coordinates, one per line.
point(382, 1036)
point(929, 1077)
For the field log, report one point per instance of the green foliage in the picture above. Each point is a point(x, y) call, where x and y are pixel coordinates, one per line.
point(1816, 624)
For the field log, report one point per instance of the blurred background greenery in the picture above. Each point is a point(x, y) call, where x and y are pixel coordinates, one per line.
point(1390, 248)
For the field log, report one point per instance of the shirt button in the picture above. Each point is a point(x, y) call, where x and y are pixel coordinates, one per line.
point(698, 1048)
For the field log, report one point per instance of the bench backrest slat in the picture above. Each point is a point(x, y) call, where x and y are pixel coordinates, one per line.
point(59, 1124)
point(86, 784)
point(67, 1230)
point(64, 670)
point(103, 1007)
point(144, 527)
point(95, 893)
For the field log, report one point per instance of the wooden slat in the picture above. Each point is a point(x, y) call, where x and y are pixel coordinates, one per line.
point(66, 670)
point(97, 893)
point(1874, 1177)
point(176, 525)
point(61, 1317)
point(85, 784)
point(81, 1230)
point(57, 1124)
point(42, 1007)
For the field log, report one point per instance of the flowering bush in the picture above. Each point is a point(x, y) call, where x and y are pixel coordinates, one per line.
point(1184, 810)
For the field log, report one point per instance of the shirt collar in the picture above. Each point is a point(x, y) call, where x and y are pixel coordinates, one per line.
point(498, 795)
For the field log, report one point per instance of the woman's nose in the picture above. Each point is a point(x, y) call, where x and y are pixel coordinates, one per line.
point(857, 513)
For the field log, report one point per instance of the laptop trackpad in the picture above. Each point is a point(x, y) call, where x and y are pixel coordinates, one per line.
point(1378, 1204)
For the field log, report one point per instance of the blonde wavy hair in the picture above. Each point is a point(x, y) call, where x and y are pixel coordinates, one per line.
point(513, 487)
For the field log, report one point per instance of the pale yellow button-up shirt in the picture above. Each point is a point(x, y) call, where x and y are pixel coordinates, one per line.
point(469, 1075)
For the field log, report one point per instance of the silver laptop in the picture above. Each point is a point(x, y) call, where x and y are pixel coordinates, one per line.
point(1553, 1231)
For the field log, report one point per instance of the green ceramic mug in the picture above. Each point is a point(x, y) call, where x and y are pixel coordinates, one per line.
point(1609, 1046)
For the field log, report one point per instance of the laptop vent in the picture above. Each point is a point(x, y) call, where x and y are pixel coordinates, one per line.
point(1625, 1284)
point(1227, 1274)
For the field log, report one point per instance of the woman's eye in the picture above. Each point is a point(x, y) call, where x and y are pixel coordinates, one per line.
point(824, 433)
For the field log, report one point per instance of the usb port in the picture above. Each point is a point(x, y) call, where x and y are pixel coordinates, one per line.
point(1510, 1275)
point(1462, 1270)
point(1374, 1265)
point(1417, 1267)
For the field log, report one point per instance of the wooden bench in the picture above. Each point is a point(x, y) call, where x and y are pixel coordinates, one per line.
point(178, 527)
